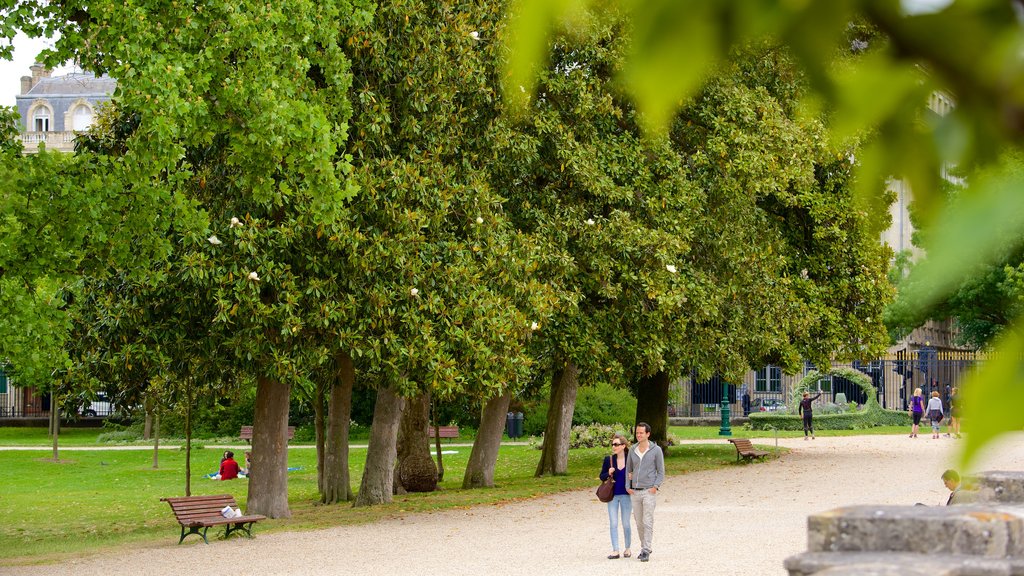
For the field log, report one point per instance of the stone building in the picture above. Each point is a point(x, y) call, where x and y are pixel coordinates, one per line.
point(54, 108)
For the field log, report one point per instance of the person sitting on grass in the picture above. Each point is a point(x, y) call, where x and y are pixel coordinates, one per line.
point(228, 467)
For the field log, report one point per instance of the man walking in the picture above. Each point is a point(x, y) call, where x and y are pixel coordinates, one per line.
point(645, 468)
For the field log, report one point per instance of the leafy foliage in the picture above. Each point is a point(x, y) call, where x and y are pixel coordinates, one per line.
point(905, 58)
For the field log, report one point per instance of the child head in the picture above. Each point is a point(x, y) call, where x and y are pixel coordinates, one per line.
point(917, 391)
point(935, 394)
point(807, 394)
point(229, 454)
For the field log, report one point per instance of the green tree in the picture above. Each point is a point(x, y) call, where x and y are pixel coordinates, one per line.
point(441, 282)
point(878, 97)
point(989, 298)
point(241, 118)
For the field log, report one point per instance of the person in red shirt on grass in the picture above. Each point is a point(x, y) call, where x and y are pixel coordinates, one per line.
point(228, 467)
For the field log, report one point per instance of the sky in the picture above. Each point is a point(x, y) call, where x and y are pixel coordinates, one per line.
point(25, 51)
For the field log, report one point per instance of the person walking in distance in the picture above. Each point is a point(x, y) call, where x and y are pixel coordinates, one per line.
point(808, 413)
point(916, 411)
point(935, 413)
point(645, 469)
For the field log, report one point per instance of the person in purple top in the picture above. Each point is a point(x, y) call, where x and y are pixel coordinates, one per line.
point(621, 505)
point(916, 411)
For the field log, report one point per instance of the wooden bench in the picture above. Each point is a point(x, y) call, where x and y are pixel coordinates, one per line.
point(744, 449)
point(246, 433)
point(444, 431)
point(201, 512)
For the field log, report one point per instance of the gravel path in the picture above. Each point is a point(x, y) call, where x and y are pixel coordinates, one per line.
point(702, 519)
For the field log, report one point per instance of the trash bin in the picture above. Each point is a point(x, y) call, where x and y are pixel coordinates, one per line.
point(517, 424)
point(510, 425)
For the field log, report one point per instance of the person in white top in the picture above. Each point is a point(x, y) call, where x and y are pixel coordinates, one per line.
point(935, 413)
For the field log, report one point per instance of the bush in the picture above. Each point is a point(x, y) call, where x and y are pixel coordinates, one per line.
point(118, 437)
point(588, 436)
point(859, 420)
point(601, 403)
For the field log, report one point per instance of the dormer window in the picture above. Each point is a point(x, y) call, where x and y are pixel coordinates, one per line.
point(41, 120)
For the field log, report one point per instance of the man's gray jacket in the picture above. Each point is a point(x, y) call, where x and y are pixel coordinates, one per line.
point(648, 472)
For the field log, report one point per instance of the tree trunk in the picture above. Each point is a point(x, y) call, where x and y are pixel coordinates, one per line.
point(337, 483)
point(319, 428)
point(437, 444)
point(147, 425)
point(376, 485)
point(188, 438)
point(55, 424)
point(652, 406)
point(268, 480)
point(483, 457)
point(156, 439)
point(554, 457)
point(415, 471)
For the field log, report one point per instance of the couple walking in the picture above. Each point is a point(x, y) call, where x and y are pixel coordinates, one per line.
point(638, 473)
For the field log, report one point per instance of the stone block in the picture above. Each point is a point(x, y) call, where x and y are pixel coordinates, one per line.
point(899, 564)
point(973, 530)
point(1001, 487)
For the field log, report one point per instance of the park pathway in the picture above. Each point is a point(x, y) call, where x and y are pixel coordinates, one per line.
point(738, 521)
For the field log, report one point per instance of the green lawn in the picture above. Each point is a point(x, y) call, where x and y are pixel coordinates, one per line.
point(95, 501)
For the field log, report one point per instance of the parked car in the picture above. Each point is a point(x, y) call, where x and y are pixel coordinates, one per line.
point(768, 405)
point(99, 406)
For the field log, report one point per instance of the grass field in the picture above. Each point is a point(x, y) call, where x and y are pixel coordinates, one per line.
point(93, 501)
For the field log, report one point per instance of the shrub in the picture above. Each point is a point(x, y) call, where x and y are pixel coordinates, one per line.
point(118, 437)
point(601, 403)
point(587, 436)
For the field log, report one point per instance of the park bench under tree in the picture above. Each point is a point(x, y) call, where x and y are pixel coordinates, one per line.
point(246, 433)
point(746, 450)
point(444, 431)
point(202, 512)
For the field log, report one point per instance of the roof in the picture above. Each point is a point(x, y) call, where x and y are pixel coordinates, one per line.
point(74, 84)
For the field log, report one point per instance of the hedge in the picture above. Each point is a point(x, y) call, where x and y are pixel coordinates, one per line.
point(869, 416)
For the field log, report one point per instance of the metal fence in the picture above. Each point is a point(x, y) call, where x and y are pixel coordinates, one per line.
point(29, 403)
point(768, 389)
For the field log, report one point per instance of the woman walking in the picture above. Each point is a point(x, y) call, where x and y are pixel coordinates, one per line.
point(916, 411)
point(621, 506)
point(935, 413)
point(954, 420)
point(808, 413)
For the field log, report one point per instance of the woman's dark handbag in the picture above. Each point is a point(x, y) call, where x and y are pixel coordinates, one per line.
point(606, 491)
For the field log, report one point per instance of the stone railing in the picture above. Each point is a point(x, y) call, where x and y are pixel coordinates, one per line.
point(62, 141)
point(985, 538)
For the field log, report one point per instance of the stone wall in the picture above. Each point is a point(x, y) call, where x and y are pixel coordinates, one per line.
point(984, 538)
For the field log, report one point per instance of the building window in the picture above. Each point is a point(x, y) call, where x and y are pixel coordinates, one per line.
point(41, 120)
point(3, 383)
point(825, 385)
point(82, 118)
point(769, 379)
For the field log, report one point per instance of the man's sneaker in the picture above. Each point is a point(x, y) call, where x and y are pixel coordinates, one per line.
point(644, 556)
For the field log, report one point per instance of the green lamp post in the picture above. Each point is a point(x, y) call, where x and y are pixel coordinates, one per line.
point(726, 429)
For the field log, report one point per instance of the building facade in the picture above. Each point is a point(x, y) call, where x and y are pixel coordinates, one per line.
point(54, 109)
